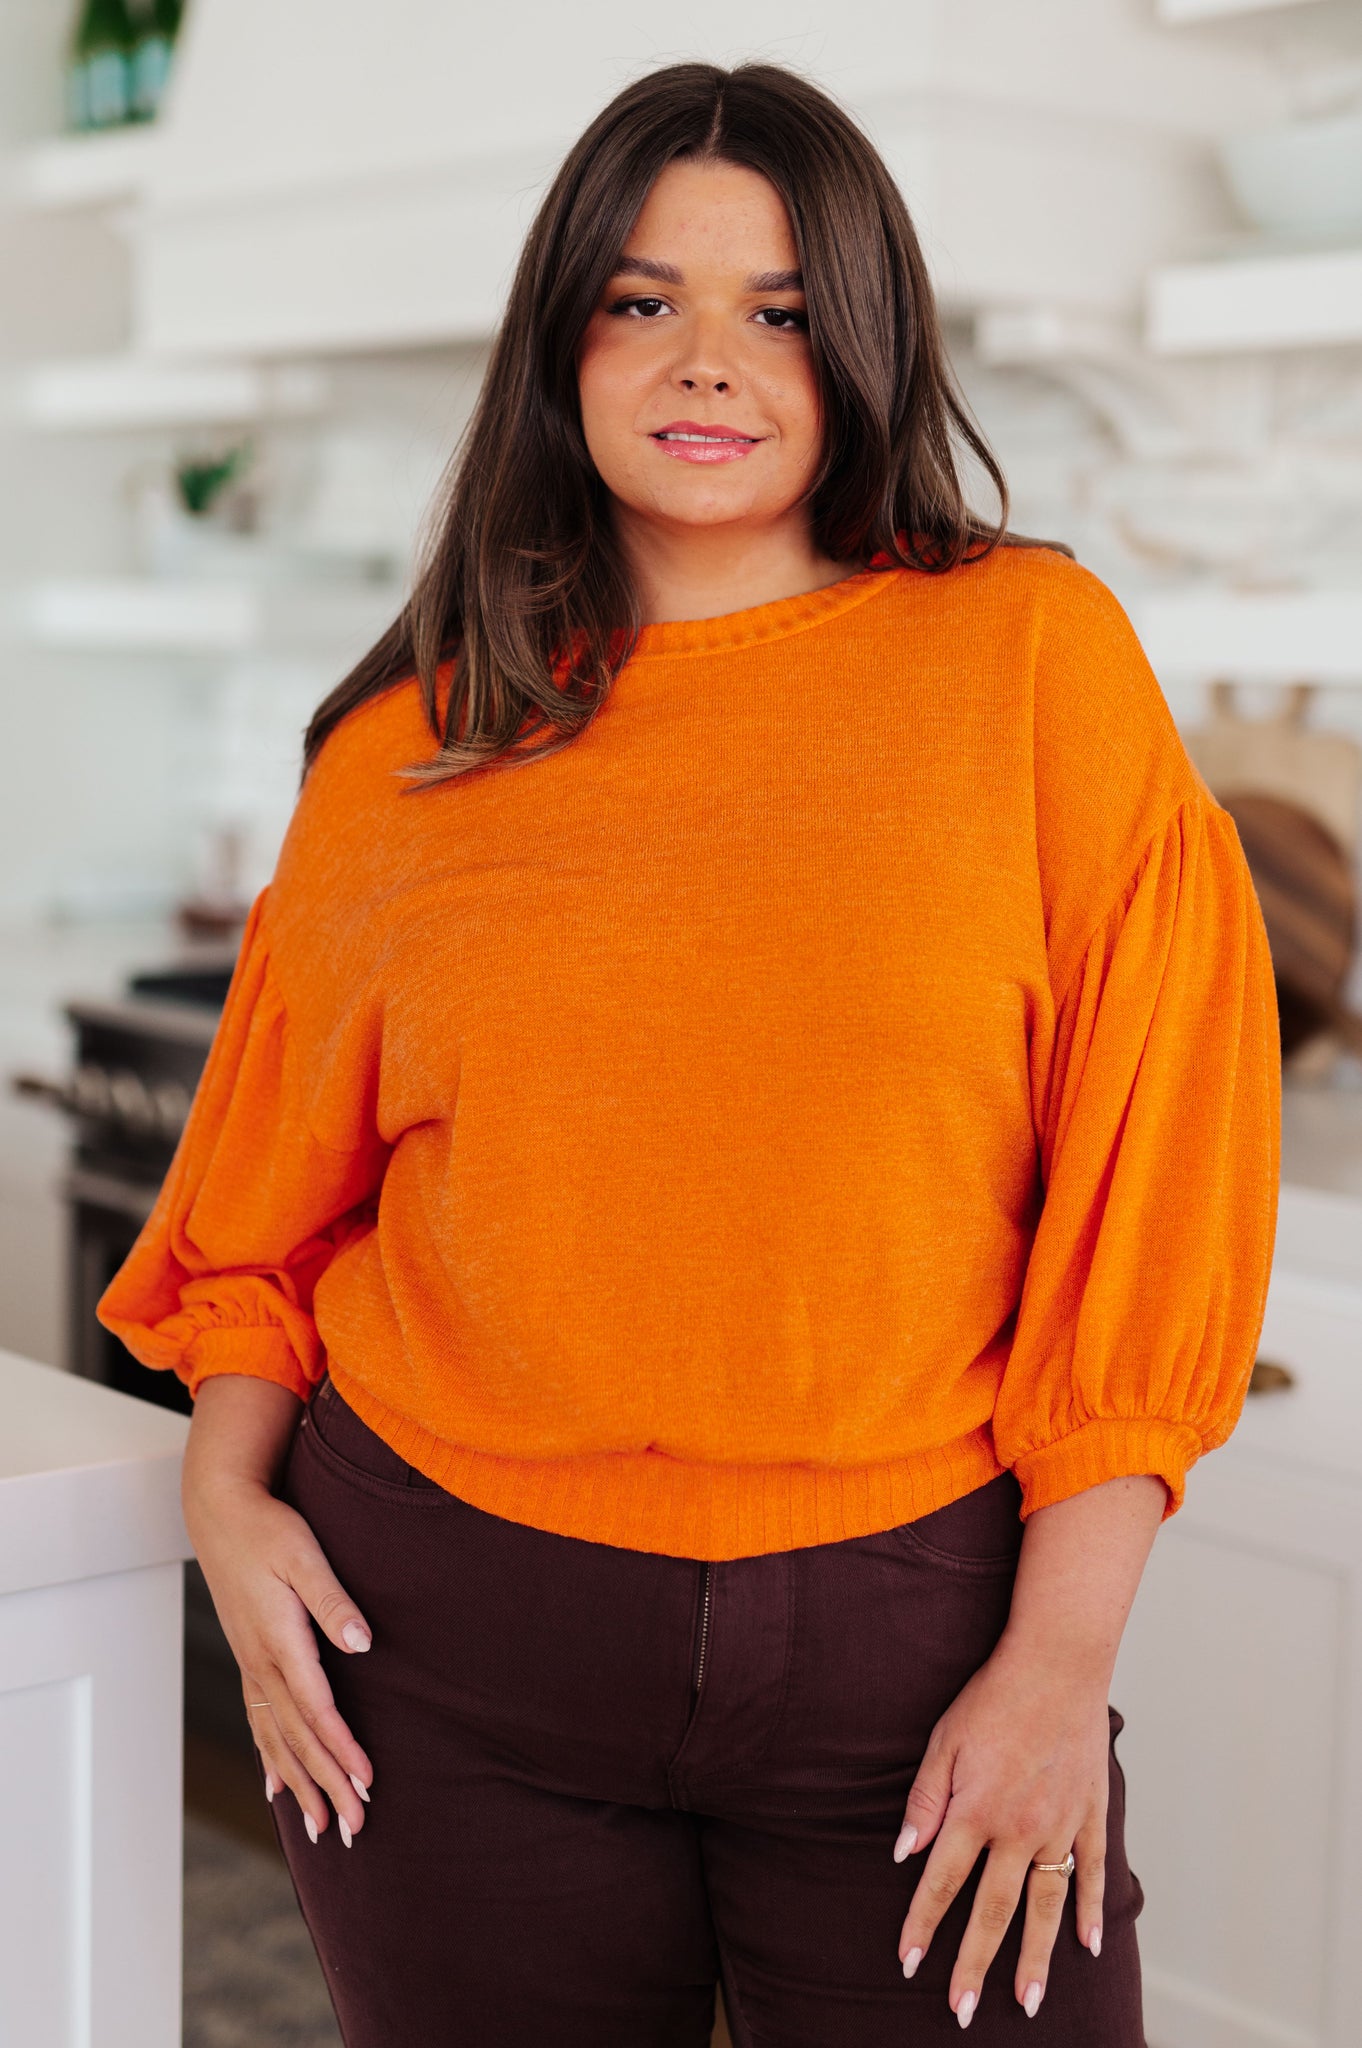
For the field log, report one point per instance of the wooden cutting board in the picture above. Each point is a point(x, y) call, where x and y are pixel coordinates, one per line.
point(1293, 794)
point(1321, 772)
point(1308, 893)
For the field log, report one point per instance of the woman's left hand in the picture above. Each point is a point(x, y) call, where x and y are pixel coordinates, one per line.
point(1018, 1765)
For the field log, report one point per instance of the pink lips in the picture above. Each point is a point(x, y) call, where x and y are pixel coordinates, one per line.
point(696, 441)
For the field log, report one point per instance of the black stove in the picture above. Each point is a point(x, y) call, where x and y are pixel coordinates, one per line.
point(137, 1061)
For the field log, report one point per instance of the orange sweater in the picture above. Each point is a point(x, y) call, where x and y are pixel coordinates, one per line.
point(846, 1071)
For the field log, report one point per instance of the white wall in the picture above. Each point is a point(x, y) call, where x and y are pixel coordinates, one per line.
point(456, 81)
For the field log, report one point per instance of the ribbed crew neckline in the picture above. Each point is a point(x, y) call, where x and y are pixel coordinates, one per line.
point(760, 622)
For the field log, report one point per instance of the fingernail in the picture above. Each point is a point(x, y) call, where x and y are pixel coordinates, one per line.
point(1095, 1941)
point(965, 2010)
point(911, 1961)
point(346, 1835)
point(359, 1788)
point(1031, 2002)
point(905, 1844)
point(269, 1785)
point(355, 1637)
point(311, 1827)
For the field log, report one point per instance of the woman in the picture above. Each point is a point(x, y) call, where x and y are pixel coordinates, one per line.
point(707, 1242)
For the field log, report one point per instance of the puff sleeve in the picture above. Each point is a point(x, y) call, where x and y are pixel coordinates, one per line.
point(1158, 1120)
point(254, 1207)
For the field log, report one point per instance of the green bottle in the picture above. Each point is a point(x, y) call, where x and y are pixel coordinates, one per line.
point(99, 77)
point(156, 24)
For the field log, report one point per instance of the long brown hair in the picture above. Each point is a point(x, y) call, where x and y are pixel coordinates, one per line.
point(521, 583)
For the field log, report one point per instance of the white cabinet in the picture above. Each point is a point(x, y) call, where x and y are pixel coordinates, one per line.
point(1241, 1681)
point(91, 1586)
point(367, 192)
point(1301, 299)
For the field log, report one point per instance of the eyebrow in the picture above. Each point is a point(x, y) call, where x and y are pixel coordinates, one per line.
point(644, 266)
point(667, 273)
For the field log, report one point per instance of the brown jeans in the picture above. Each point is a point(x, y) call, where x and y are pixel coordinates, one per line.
point(605, 1779)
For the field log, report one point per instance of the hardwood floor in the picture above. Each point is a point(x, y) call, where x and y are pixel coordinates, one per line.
point(251, 1976)
point(220, 1786)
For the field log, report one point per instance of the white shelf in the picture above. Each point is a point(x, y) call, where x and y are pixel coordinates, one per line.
point(139, 615)
point(1218, 10)
point(1301, 299)
point(1253, 636)
point(1333, 27)
point(85, 170)
point(127, 391)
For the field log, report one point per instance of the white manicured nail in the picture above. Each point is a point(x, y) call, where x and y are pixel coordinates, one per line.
point(965, 2010)
point(905, 1844)
point(1095, 1941)
point(1031, 2002)
point(911, 1961)
point(354, 1636)
point(344, 1826)
point(269, 1786)
point(358, 1787)
point(311, 1827)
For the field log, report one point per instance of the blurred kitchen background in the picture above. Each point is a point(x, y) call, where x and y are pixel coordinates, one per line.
point(250, 257)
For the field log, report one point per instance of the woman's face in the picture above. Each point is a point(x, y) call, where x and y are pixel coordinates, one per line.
point(699, 401)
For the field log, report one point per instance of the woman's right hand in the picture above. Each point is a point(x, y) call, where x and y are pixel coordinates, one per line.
point(269, 1580)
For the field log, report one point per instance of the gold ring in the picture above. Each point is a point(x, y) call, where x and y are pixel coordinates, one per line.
point(255, 1703)
point(1064, 1869)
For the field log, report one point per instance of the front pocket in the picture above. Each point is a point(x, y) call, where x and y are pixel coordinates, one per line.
point(981, 1532)
point(333, 1431)
point(316, 1446)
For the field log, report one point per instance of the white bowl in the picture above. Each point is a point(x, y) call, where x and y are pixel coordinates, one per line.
point(1304, 178)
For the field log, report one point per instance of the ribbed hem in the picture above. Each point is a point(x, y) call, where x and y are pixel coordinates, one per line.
point(646, 1501)
point(259, 1352)
point(1113, 1447)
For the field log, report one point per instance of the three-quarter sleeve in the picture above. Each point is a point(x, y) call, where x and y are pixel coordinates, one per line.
point(1158, 1121)
point(254, 1207)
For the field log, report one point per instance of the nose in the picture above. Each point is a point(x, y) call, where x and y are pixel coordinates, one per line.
point(705, 362)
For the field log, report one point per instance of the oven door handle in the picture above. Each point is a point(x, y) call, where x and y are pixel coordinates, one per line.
point(43, 1087)
point(107, 1191)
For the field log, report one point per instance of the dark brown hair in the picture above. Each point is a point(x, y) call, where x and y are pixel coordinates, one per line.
point(521, 582)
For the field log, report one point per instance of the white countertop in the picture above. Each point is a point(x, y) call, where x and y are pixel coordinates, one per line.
point(1319, 1216)
point(1314, 1328)
point(1322, 1138)
point(89, 1479)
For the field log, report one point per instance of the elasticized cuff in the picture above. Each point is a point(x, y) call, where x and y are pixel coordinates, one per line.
point(1113, 1447)
point(260, 1352)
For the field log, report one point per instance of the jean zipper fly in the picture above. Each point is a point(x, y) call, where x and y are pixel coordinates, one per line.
point(704, 1628)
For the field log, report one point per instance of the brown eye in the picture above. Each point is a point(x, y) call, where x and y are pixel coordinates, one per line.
point(783, 319)
point(645, 309)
